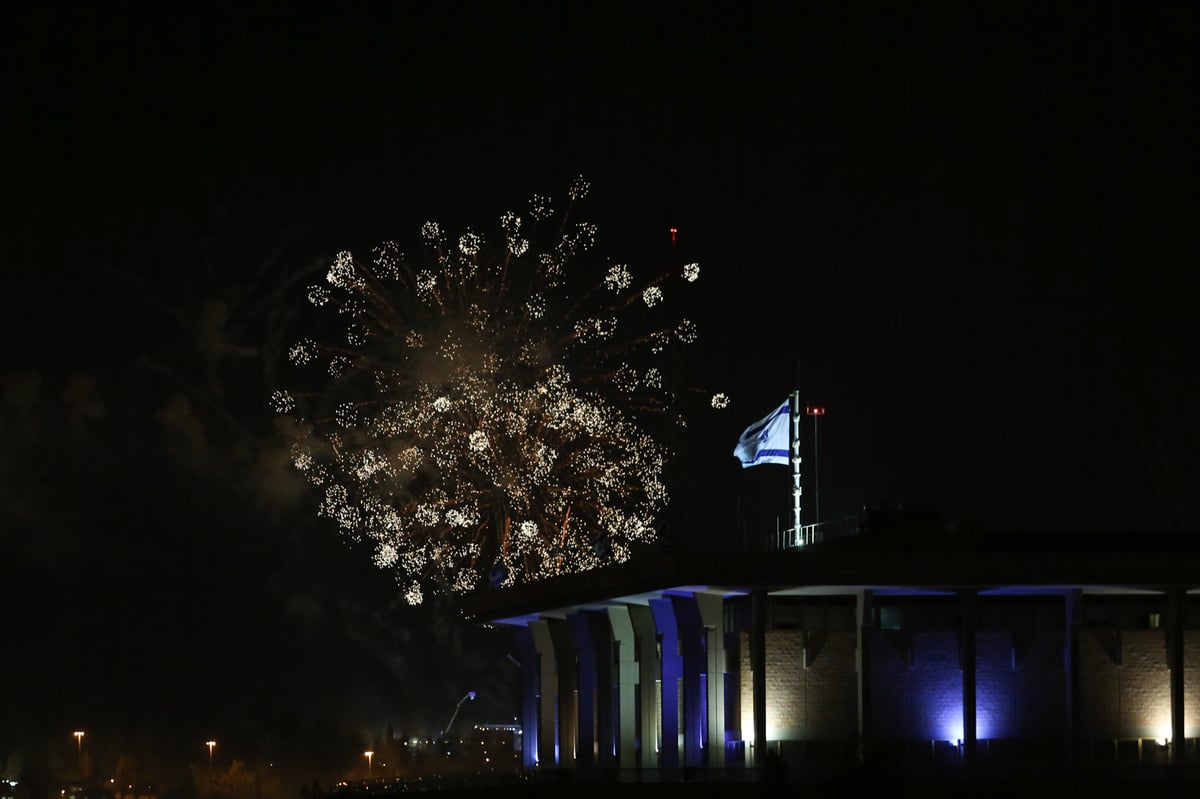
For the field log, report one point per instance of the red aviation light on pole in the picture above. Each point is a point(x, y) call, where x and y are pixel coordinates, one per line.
point(674, 233)
point(813, 410)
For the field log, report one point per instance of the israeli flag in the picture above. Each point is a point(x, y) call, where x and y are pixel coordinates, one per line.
point(765, 441)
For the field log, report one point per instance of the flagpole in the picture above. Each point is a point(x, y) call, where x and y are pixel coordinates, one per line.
point(794, 411)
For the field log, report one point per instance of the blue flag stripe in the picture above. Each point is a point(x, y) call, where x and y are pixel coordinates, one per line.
point(758, 427)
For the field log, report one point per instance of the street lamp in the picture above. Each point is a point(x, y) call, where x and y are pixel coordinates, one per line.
point(79, 748)
point(368, 755)
point(210, 745)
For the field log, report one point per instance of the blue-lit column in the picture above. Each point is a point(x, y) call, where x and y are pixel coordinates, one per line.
point(649, 673)
point(1176, 607)
point(1073, 616)
point(530, 691)
point(581, 638)
point(712, 614)
point(970, 610)
point(547, 740)
point(672, 672)
point(627, 685)
point(691, 645)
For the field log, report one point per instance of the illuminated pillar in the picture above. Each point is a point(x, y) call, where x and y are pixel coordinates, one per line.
point(671, 674)
point(864, 622)
point(627, 682)
point(691, 648)
point(568, 690)
point(1073, 605)
point(712, 614)
point(970, 609)
point(548, 723)
point(585, 654)
point(606, 722)
point(1176, 607)
point(530, 690)
point(648, 675)
point(758, 676)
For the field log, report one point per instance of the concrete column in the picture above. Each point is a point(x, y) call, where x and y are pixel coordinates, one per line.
point(865, 613)
point(648, 674)
point(602, 649)
point(568, 689)
point(627, 685)
point(1176, 608)
point(671, 665)
point(757, 756)
point(1073, 609)
point(970, 613)
point(530, 693)
point(547, 740)
point(712, 614)
point(581, 640)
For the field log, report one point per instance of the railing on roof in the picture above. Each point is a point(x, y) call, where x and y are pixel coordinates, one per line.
point(809, 534)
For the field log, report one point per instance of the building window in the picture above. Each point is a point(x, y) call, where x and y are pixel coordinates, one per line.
point(891, 617)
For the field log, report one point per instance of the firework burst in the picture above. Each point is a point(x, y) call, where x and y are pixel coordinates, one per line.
point(484, 411)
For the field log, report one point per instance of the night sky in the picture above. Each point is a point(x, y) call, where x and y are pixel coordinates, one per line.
point(968, 233)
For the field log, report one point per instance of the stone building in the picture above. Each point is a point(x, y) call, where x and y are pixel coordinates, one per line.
point(1041, 654)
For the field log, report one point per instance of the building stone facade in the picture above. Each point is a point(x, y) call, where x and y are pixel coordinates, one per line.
point(653, 672)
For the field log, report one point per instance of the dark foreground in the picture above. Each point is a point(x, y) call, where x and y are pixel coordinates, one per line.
point(851, 786)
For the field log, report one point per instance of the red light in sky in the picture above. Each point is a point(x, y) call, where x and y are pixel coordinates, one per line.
point(674, 232)
point(813, 410)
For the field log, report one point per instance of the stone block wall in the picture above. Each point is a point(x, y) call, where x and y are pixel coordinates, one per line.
point(1124, 687)
point(1020, 684)
point(1191, 682)
point(819, 702)
point(915, 684)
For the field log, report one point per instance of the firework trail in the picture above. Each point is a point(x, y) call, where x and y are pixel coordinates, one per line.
point(485, 413)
